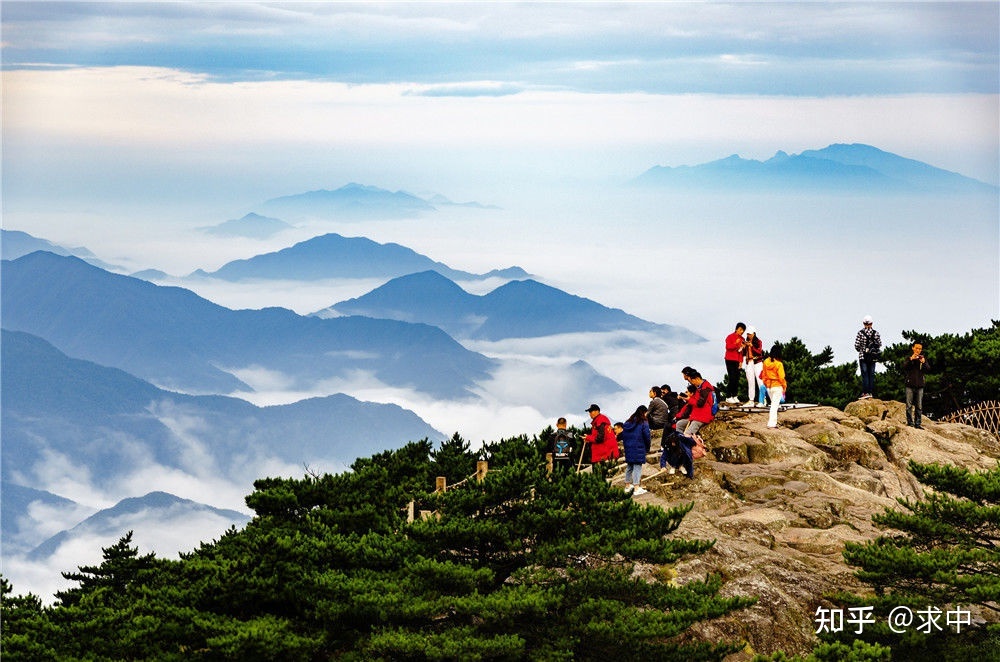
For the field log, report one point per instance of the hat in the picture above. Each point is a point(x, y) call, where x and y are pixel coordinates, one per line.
point(593, 408)
point(752, 330)
point(867, 319)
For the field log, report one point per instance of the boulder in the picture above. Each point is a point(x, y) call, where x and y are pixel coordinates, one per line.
point(781, 503)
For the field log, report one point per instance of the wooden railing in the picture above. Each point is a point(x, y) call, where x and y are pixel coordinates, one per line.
point(441, 485)
point(985, 416)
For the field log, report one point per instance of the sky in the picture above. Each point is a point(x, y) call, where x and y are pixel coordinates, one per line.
point(210, 100)
point(129, 125)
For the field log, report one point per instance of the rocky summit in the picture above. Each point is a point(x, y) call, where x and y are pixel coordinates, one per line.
point(781, 503)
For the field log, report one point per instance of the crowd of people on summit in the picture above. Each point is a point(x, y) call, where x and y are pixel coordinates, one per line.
point(671, 421)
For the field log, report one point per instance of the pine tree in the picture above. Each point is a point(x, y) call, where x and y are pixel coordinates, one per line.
point(518, 566)
point(943, 553)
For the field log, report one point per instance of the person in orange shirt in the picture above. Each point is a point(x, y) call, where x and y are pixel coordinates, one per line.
point(773, 376)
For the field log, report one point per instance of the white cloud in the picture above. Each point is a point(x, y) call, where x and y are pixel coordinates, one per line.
point(164, 533)
point(164, 110)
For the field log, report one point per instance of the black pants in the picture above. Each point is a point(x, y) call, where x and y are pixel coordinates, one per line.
point(733, 368)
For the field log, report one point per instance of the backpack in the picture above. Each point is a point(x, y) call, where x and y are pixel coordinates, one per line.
point(562, 446)
point(715, 405)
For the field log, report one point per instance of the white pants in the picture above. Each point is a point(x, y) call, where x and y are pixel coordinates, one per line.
point(775, 392)
point(753, 371)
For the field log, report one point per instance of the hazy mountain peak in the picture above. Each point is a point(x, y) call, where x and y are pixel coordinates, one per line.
point(252, 225)
point(841, 167)
point(335, 256)
point(518, 309)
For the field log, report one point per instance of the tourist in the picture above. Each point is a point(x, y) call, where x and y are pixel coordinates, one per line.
point(868, 344)
point(636, 442)
point(601, 438)
point(562, 447)
point(677, 454)
point(673, 404)
point(913, 371)
point(734, 360)
point(773, 376)
point(658, 414)
point(700, 401)
point(753, 361)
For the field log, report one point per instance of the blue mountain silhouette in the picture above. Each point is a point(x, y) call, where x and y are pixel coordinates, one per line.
point(350, 202)
point(177, 340)
point(15, 244)
point(252, 226)
point(519, 309)
point(855, 167)
point(107, 422)
point(335, 256)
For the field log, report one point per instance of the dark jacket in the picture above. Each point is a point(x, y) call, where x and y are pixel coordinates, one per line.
point(635, 439)
point(913, 371)
point(677, 452)
point(562, 445)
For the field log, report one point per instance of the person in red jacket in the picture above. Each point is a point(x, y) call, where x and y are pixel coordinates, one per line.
point(734, 361)
point(701, 401)
point(602, 439)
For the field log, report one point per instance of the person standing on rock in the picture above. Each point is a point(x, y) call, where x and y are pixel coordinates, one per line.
point(773, 375)
point(868, 344)
point(635, 440)
point(753, 361)
point(734, 360)
point(913, 371)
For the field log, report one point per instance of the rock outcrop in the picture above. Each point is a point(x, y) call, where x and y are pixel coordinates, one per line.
point(781, 503)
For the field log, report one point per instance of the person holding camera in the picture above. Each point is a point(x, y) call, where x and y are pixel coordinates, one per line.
point(868, 343)
point(913, 372)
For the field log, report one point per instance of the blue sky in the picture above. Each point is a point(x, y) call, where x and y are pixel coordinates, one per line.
point(805, 48)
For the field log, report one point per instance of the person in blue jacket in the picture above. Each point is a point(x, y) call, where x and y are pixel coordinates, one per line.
point(636, 440)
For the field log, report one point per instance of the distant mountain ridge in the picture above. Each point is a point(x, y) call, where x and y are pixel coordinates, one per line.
point(335, 256)
point(854, 167)
point(108, 423)
point(355, 201)
point(518, 309)
point(251, 226)
point(15, 244)
point(174, 338)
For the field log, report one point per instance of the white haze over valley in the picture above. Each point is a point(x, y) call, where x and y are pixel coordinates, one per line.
point(545, 112)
